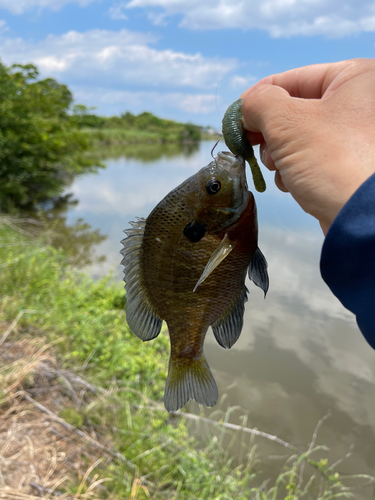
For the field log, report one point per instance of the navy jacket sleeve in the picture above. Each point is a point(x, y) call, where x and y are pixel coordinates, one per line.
point(347, 262)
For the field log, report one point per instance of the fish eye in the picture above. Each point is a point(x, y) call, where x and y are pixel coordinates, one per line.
point(213, 186)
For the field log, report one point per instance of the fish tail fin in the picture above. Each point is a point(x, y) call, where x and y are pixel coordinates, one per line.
point(191, 379)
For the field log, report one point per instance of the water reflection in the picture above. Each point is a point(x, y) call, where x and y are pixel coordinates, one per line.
point(300, 354)
point(127, 188)
point(146, 152)
point(77, 238)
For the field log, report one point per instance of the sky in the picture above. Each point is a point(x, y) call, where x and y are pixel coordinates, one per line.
point(186, 60)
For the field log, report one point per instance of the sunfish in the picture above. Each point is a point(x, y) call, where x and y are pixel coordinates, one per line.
point(186, 264)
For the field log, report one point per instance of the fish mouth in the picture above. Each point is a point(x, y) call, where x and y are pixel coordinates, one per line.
point(236, 167)
point(235, 162)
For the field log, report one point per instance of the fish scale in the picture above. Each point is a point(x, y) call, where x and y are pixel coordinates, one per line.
point(186, 264)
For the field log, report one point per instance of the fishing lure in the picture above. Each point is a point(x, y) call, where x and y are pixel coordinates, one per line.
point(238, 143)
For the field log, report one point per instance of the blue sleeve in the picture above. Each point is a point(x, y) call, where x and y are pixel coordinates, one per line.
point(347, 262)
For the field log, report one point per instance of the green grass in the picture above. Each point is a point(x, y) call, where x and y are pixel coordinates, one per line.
point(135, 129)
point(149, 129)
point(113, 136)
point(85, 322)
point(108, 136)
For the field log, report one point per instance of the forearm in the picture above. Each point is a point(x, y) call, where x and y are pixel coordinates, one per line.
point(348, 258)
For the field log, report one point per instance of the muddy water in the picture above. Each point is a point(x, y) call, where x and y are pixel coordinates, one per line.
point(300, 354)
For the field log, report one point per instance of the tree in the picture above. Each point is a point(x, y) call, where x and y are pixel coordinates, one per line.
point(40, 143)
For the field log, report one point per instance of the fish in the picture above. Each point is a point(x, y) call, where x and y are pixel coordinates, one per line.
point(236, 140)
point(186, 264)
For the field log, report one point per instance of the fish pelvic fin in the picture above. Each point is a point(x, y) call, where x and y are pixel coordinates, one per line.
point(190, 379)
point(227, 329)
point(140, 314)
point(258, 271)
point(222, 251)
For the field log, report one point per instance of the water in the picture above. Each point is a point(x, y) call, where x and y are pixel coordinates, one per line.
point(300, 354)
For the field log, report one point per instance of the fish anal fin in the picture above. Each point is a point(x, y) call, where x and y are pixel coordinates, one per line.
point(258, 271)
point(222, 251)
point(227, 329)
point(140, 314)
point(191, 379)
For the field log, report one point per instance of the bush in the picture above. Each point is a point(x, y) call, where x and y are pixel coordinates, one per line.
point(40, 144)
point(130, 129)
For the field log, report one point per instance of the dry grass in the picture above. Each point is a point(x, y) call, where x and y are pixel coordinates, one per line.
point(39, 456)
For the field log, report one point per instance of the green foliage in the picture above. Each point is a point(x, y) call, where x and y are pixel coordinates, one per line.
point(135, 129)
point(71, 416)
point(40, 144)
point(86, 322)
point(84, 119)
point(83, 314)
point(116, 136)
point(313, 479)
point(77, 239)
point(191, 133)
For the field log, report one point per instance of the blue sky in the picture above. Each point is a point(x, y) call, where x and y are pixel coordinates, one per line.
point(180, 59)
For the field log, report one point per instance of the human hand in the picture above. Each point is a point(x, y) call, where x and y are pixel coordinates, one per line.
point(316, 129)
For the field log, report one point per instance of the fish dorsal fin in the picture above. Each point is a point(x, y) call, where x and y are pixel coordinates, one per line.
point(222, 251)
point(227, 329)
point(140, 315)
point(258, 271)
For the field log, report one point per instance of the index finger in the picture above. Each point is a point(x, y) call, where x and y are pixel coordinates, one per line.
point(308, 82)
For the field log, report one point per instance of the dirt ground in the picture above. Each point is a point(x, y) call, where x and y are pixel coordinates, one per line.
point(41, 455)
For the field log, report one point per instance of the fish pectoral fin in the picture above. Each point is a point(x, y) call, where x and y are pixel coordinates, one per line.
point(222, 251)
point(258, 271)
point(192, 380)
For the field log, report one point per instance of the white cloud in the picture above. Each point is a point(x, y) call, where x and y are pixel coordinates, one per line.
point(242, 82)
point(117, 13)
point(197, 104)
point(158, 19)
point(280, 18)
point(100, 58)
point(20, 6)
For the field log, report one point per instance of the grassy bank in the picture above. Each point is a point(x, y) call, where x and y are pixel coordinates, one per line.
point(66, 349)
point(123, 136)
point(117, 136)
point(138, 129)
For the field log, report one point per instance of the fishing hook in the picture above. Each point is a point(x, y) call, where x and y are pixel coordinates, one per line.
point(212, 150)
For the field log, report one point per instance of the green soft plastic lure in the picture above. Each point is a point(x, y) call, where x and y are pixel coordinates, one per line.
point(236, 140)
